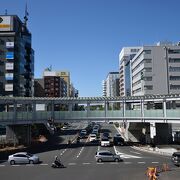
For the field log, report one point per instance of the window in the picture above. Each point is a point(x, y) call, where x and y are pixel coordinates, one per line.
point(148, 78)
point(175, 78)
point(174, 69)
point(2, 42)
point(174, 51)
point(147, 51)
point(147, 69)
point(174, 60)
point(175, 87)
point(147, 60)
point(148, 87)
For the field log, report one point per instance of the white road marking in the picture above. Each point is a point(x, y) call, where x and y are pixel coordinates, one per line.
point(100, 163)
point(2, 165)
point(135, 152)
point(43, 164)
point(86, 163)
point(72, 164)
point(29, 164)
point(98, 148)
point(155, 162)
point(63, 152)
point(123, 155)
point(127, 162)
point(80, 152)
point(141, 162)
point(15, 165)
point(114, 163)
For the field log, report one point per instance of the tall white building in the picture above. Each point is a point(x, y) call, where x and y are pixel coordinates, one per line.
point(104, 88)
point(111, 84)
point(125, 57)
point(156, 70)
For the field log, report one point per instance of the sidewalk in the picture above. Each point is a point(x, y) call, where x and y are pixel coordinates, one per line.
point(166, 151)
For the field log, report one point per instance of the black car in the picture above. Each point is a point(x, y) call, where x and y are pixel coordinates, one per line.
point(176, 158)
point(118, 140)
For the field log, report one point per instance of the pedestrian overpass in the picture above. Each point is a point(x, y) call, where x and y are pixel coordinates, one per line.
point(18, 112)
point(152, 108)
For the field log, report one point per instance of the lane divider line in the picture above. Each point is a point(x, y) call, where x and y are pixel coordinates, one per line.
point(72, 164)
point(141, 162)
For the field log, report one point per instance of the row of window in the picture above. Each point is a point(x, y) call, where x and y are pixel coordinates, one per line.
point(175, 87)
point(143, 52)
point(175, 78)
point(137, 90)
point(144, 61)
point(174, 60)
point(174, 51)
point(148, 87)
point(174, 69)
point(136, 83)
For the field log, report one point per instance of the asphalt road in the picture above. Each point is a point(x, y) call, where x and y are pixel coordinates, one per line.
point(81, 165)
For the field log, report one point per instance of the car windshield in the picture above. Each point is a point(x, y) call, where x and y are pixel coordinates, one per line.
point(29, 154)
point(93, 135)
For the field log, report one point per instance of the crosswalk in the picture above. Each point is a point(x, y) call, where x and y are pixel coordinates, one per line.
point(83, 164)
point(126, 156)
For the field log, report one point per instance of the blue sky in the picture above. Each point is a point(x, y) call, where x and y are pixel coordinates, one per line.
point(86, 36)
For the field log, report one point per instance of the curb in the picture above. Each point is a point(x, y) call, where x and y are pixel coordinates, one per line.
point(152, 151)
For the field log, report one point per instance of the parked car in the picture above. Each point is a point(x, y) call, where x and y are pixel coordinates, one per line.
point(23, 158)
point(176, 158)
point(107, 156)
point(92, 137)
point(105, 141)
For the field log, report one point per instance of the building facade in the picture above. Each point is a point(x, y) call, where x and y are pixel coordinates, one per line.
point(104, 88)
point(111, 84)
point(39, 88)
point(156, 70)
point(125, 57)
point(16, 58)
point(65, 75)
point(54, 85)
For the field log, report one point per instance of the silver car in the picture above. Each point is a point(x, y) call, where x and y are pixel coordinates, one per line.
point(107, 156)
point(23, 158)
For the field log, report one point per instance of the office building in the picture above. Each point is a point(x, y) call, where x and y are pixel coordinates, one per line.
point(156, 70)
point(125, 57)
point(111, 84)
point(16, 57)
point(39, 88)
point(65, 75)
point(54, 85)
point(104, 88)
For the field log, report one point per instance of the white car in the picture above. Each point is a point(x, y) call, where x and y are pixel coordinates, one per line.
point(23, 158)
point(92, 137)
point(105, 141)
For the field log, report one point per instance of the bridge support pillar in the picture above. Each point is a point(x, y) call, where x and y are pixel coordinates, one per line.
point(18, 134)
point(163, 133)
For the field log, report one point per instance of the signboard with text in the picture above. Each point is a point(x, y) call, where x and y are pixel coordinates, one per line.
point(8, 87)
point(9, 66)
point(9, 55)
point(9, 76)
point(5, 23)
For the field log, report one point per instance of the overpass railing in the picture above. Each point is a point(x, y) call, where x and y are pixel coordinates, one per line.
point(58, 116)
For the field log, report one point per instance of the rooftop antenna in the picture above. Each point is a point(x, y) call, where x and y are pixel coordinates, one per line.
point(6, 12)
point(26, 15)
